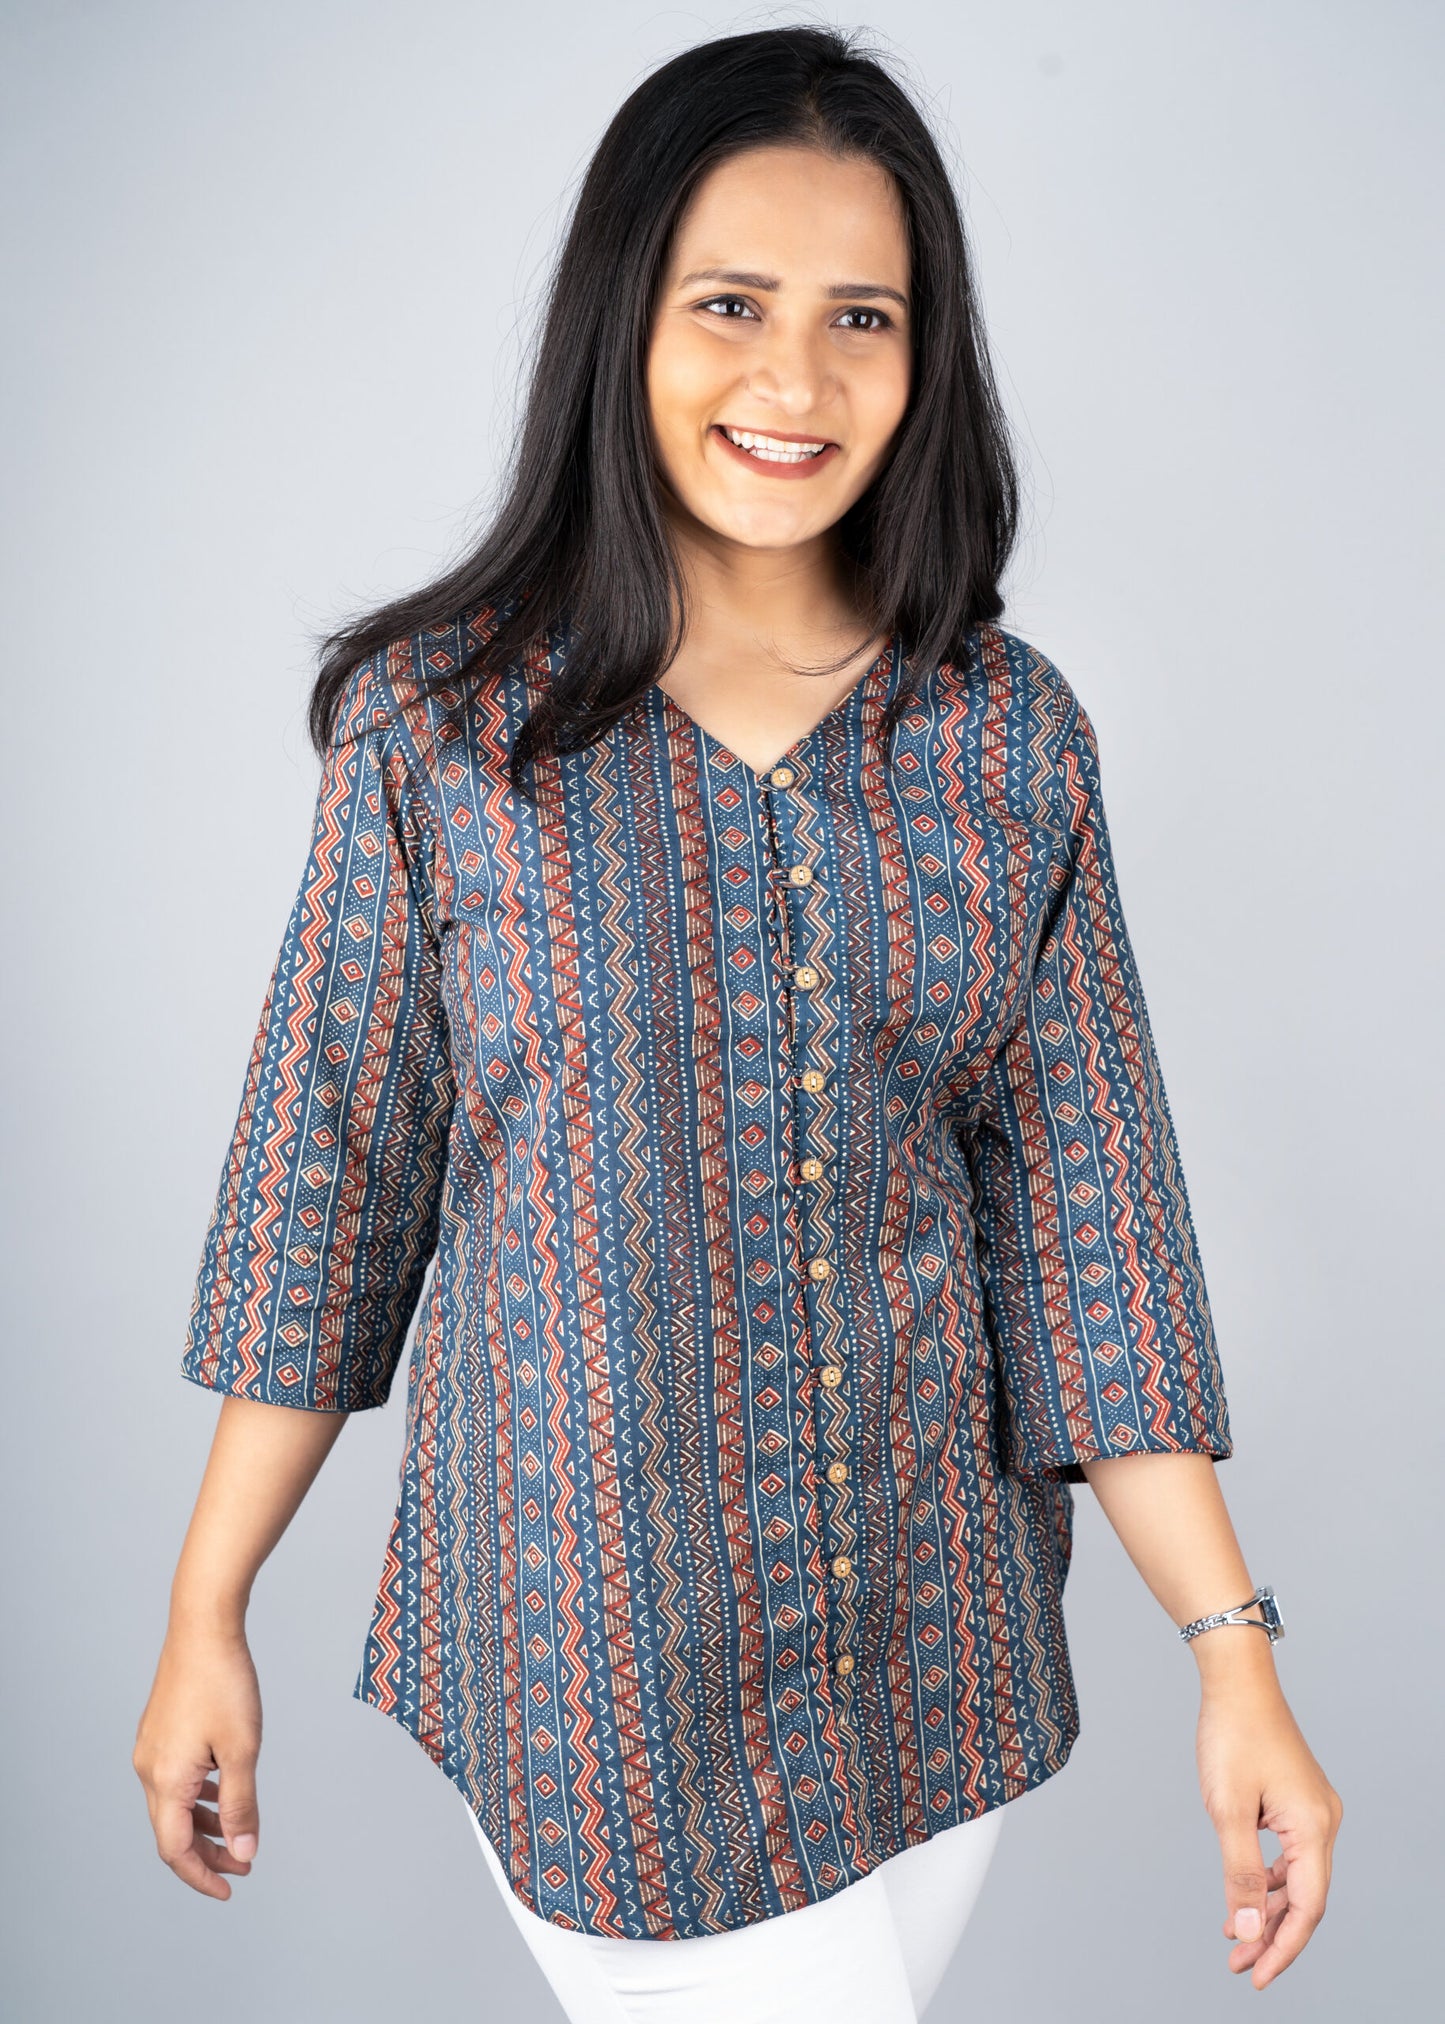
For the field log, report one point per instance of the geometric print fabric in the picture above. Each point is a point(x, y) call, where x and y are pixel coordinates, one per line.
point(779, 1174)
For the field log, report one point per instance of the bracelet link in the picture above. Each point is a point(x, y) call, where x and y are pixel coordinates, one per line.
point(1269, 1621)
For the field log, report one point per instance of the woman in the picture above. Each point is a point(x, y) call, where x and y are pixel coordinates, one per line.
point(709, 954)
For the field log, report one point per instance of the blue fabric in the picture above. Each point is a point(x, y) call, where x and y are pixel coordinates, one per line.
point(731, 1175)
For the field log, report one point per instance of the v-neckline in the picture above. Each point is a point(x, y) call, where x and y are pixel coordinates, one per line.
point(883, 665)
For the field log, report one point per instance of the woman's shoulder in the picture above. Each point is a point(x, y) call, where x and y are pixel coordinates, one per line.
point(414, 687)
point(417, 666)
point(1017, 691)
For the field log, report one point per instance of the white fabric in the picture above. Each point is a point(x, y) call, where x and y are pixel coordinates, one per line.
point(874, 1952)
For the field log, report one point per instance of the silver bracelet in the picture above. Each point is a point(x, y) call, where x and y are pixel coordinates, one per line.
point(1270, 1622)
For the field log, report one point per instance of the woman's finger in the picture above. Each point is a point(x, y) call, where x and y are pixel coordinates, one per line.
point(1245, 1877)
point(1306, 1890)
point(177, 1842)
point(1245, 1953)
point(215, 1850)
point(239, 1816)
point(1275, 1877)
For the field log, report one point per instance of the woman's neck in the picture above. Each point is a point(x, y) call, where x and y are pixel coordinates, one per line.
point(750, 627)
point(765, 609)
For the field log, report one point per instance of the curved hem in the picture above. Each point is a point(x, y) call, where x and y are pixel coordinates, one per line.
point(1038, 1774)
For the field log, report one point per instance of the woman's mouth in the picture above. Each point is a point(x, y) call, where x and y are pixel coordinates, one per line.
point(779, 456)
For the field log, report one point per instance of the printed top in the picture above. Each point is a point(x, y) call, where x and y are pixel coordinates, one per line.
point(802, 1206)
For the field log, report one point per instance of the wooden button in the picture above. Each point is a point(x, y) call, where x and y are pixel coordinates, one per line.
point(812, 1170)
point(831, 1376)
point(842, 1567)
point(800, 875)
point(818, 1268)
point(805, 977)
point(844, 1665)
point(814, 1079)
point(837, 1472)
point(782, 776)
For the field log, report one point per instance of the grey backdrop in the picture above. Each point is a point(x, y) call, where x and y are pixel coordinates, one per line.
point(271, 268)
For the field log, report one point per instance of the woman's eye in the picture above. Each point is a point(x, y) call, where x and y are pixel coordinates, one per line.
point(882, 322)
point(721, 306)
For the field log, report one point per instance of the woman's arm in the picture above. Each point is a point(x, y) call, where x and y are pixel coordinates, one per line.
point(204, 1712)
point(1255, 1768)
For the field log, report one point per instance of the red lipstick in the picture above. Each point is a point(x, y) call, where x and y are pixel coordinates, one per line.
point(770, 467)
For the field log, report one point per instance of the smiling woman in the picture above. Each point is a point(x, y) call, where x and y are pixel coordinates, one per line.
point(798, 372)
point(766, 242)
point(708, 975)
point(774, 409)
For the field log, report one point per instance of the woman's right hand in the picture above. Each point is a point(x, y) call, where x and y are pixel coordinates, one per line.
point(200, 1733)
point(198, 1739)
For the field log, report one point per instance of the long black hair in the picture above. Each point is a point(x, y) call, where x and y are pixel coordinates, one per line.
point(580, 539)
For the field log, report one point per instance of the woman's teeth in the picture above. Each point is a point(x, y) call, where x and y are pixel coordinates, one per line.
point(772, 449)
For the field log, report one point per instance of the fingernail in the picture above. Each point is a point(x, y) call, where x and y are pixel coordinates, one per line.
point(244, 1847)
point(1247, 1922)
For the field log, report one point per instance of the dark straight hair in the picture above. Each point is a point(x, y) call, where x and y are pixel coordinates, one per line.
point(580, 538)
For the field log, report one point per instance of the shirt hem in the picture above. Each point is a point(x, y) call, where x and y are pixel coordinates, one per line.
point(1036, 1774)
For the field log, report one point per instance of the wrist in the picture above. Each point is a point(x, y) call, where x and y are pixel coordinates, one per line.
point(211, 1616)
point(1231, 1657)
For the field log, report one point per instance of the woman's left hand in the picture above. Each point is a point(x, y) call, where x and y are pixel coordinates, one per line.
point(1256, 1771)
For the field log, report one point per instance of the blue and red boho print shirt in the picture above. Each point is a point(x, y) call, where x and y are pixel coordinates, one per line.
point(802, 1204)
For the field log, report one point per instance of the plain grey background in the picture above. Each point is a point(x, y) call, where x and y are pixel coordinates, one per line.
point(271, 269)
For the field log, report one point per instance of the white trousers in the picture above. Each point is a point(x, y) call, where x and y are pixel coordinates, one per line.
point(874, 1952)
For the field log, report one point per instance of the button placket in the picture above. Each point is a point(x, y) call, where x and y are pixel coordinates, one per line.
point(758, 1011)
point(803, 893)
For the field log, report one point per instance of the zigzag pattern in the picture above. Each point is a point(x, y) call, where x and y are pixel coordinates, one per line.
point(685, 1585)
point(769, 1321)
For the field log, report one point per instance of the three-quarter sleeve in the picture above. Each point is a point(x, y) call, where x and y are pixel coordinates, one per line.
point(1103, 1341)
point(326, 1214)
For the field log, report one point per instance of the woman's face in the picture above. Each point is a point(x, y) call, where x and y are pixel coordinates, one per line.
point(784, 314)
